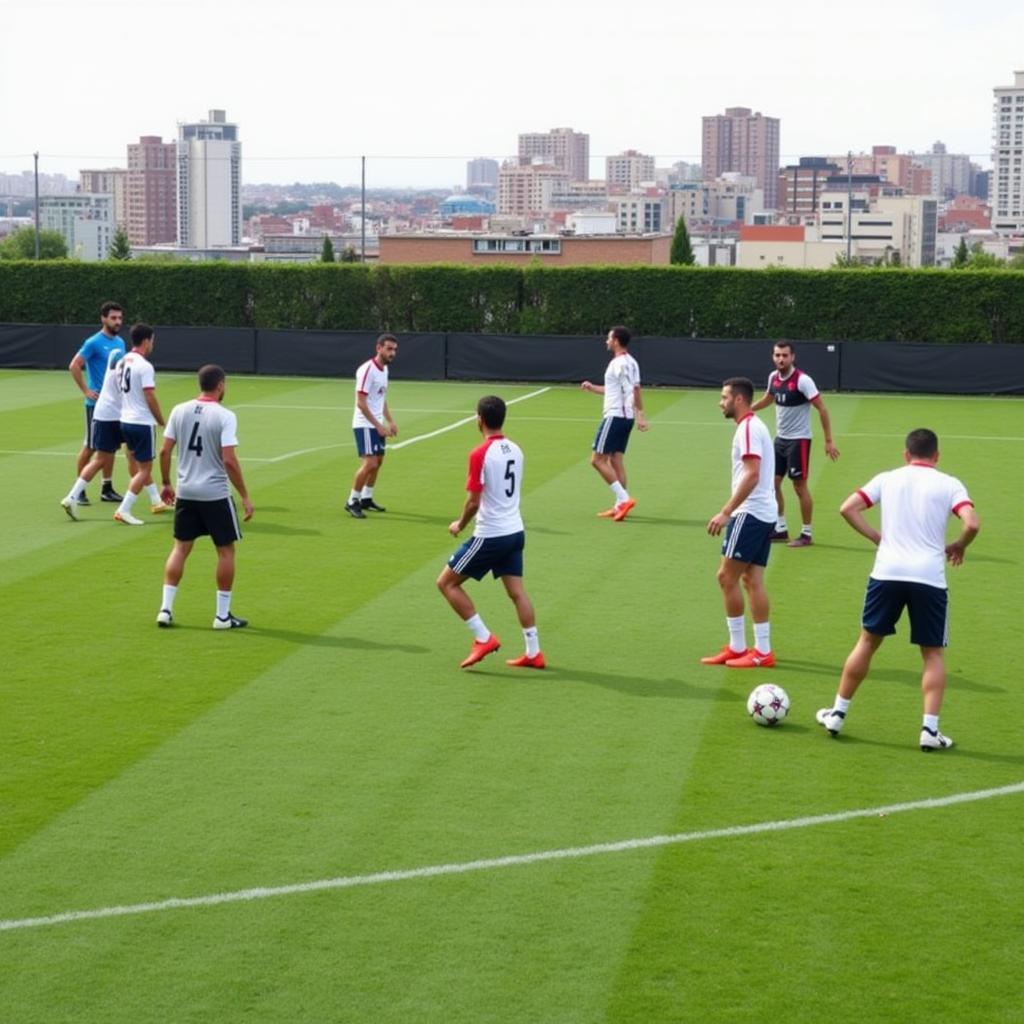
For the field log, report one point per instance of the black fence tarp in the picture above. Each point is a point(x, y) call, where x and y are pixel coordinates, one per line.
point(682, 362)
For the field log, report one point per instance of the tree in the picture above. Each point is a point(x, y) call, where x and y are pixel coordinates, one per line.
point(350, 255)
point(851, 262)
point(22, 245)
point(981, 260)
point(962, 256)
point(327, 252)
point(681, 252)
point(120, 248)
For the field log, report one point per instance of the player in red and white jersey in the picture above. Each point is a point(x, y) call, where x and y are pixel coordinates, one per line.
point(793, 393)
point(494, 484)
point(748, 518)
point(909, 573)
point(372, 424)
point(140, 413)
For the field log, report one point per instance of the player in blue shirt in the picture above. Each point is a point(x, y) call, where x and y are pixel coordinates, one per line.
point(93, 357)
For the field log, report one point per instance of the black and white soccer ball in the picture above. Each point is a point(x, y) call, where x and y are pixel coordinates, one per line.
point(768, 704)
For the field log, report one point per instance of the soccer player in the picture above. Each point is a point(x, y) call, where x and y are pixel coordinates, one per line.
point(494, 484)
point(372, 424)
point(748, 518)
point(794, 392)
point(202, 501)
point(623, 405)
point(140, 413)
point(93, 357)
point(909, 572)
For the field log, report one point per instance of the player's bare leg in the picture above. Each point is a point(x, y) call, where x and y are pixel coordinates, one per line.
point(803, 494)
point(855, 670)
point(143, 478)
point(484, 641)
point(174, 569)
point(533, 658)
point(609, 469)
point(225, 580)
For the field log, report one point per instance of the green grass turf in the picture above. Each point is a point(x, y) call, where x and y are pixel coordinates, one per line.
point(337, 737)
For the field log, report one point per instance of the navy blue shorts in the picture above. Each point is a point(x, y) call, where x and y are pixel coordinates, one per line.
point(368, 441)
point(105, 436)
point(748, 539)
point(793, 457)
point(141, 440)
point(613, 435)
point(928, 608)
point(501, 556)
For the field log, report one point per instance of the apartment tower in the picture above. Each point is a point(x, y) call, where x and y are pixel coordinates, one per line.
point(152, 192)
point(209, 158)
point(563, 148)
point(740, 140)
point(1006, 185)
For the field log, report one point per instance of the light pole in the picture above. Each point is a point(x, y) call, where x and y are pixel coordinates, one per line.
point(35, 157)
point(362, 219)
point(849, 204)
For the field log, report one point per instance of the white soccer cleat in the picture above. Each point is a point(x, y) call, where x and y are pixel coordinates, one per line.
point(831, 719)
point(934, 740)
point(230, 622)
point(164, 618)
point(160, 507)
point(70, 505)
point(127, 518)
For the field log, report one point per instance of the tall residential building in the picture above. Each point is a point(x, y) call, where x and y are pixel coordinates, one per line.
point(113, 182)
point(481, 174)
point(209, 159)
point(152, 191)
point(801, 185)
point(1006, 185)
point(742, 141)
point(563, 148)
point(951, 172)
point(527, 189)
point(85, 219)
point(628, 170)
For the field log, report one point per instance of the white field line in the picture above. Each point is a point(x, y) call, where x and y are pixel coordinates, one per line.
point(495, 863)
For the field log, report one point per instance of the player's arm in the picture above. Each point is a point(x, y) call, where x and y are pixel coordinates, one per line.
point(75, 368)
point(392, 425)
point(971, 525)
point(598, 389)
point(763, 402)
point(469, 509)
point(638, 404)
point(826, 427)
point(234, 471)
point(751, 472)
point(853, 509)
point(154, 404)
point(167, 490)
point(364, 407)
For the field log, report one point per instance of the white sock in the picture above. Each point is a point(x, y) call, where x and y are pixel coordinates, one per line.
point(223, 604)
point(477, 628)
point(154, 494)
point(367, 492)
point(737, 633)
point(75, 491)
point(169, 595)
point(841, 704)
point(931, 722)
point(806, 529)
point(620, 492)
point(353, 496)
point(780, 524)
point(127, 502)
point(763, 637)
point(532, 639)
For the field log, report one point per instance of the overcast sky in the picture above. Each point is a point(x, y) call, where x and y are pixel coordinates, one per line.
point(421, 87)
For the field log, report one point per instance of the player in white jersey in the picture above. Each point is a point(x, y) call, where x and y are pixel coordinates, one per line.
point(104, 437)
point(793, 393)
point(748, 518)
point(206, 434)
point(372, 424)
point(623, 406)
point(494, 485)
point(909, 572)
point(140, 413)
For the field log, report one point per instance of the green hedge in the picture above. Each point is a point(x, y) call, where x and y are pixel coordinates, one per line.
point(835, 305)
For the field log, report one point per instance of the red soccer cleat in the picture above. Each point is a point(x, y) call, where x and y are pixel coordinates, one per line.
point(537, 661)
point(480, 650)
point(623, 510)
point(752, 659)
point(607, 513)
point(724, 655)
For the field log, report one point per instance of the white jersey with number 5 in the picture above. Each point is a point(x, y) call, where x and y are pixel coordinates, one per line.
point(496, 474)
point(202, 428)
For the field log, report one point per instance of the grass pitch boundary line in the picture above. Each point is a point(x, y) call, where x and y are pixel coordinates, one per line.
point(510, 861)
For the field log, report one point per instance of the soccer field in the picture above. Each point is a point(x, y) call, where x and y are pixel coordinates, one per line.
point(321, 818)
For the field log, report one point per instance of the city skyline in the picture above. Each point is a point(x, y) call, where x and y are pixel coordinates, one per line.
point(420, 102)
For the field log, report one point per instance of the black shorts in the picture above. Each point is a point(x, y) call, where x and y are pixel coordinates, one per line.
point(793, 457)
point(216, 519)
point(928, 608)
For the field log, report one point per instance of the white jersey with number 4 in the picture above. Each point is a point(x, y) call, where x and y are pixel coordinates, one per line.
point(202, 428)
point(136, 376)
point(496, 474)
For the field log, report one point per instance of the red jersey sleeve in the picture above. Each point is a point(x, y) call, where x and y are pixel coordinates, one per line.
point(475, 480)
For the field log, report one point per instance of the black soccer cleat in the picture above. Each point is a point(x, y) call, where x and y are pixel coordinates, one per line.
point(109, 494)
point(230, 622)
point(355, 509)
point(83, 499)
point(370, 505)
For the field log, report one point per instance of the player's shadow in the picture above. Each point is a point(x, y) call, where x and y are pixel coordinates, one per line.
point(960, 749)
point(631, 685)
point(409, 517)
point(352, 643)
point(666, 521)
point(281, 529)
point(906, 677)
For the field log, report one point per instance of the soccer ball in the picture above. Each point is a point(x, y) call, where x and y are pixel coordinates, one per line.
point(768, 704)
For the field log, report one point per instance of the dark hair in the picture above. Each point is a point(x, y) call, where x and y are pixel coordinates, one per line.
point(741, 386)
point(491, 409)
point(210, 376)
point(386, 337)
point(110, 307)
point(141, 332)
point(621, 335)
point(782, 343)
point(922, 443)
